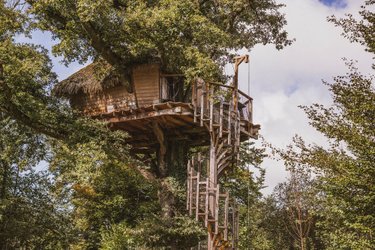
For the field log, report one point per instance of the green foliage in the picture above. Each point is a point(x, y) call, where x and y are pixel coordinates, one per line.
point(30, 215)
point(344, 170)
point(95, 192)
point(153, 233)
point(265, 226)
point(347, 167)
point(103, 191)
point(119, 237)
point(190, 37)
point(361, 31)
point(180, 232)
point(244, 182)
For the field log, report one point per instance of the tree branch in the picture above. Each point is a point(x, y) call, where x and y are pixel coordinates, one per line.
point(105, 51)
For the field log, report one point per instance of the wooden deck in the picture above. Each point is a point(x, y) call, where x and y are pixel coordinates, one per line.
point(180, 121)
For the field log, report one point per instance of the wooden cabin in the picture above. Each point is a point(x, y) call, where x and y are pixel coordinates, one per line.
point(94, 95)
point(183, 111)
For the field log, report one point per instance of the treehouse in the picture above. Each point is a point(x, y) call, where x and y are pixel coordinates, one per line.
point(182, 110)
point(160, 107)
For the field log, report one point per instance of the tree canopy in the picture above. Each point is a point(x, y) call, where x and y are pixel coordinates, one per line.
point(190, 37)
point(95, 193)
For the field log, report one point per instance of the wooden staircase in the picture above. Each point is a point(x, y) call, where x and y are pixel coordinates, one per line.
point(221, 216)
point(226, 113)
point(205, 199)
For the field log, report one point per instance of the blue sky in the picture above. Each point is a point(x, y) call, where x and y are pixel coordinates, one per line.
point(336, 3)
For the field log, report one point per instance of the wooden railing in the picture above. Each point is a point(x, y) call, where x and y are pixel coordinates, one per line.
point(222, 94)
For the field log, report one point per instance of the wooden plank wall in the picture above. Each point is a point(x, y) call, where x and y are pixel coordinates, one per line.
point(89, 104)
point(115, 98)
point(146, 83)
point(118, 98)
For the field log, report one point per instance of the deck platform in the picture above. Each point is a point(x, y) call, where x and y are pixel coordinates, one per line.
point(177, 121)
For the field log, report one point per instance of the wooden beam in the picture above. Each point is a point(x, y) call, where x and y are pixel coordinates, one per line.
point(226, 212)
point(216, 208)
point(221, 119)
point(211, 106)
point(206, 208)
point(162, 148)
point(249, 98)
point(197, 197)
point(171, 75)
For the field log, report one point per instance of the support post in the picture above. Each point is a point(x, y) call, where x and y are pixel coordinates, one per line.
point(221, 120)
point(217, 207)
point(237, 61)
point(211, 103)
point(188, 186)
point(213, 184)
point(206, 211)
point(197, 197)
point(226, 211)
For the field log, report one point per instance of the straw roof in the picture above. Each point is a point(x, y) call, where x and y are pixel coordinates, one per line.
point(88, 80)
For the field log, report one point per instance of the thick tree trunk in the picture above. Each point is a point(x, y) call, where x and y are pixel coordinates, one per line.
point(171, 164)
point(172, 160)
point(4, 180)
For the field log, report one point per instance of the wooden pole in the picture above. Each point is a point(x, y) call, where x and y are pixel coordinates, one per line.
point(217, 207)
point(221, 120)
point(188, 186)
point(237, 61)
point(197, 196)
point(213, 184)
point(211, 103)
point(226, 211)
point(202, 104)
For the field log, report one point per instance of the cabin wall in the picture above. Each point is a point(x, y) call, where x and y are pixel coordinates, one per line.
point(150, 87)
point(112, 99)
point(90, 105)
point(146, 79)
point(118, 98)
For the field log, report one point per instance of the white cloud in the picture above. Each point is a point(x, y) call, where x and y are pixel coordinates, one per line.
point(282, 80)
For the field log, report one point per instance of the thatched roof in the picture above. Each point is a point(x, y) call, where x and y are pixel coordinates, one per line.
point(91, 79)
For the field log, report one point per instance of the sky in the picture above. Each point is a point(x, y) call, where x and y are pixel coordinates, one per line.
point(282, 80)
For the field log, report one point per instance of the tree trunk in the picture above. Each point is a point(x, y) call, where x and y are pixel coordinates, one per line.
point(172, 160)
point(4, 181)
point(172, 164)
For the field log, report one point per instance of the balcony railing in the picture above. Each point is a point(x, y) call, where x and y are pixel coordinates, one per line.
point(223, 97)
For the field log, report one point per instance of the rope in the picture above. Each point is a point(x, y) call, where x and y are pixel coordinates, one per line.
point(248, 77)
point(248, 187)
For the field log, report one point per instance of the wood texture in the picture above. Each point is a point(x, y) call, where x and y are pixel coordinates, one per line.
point(146, 80)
